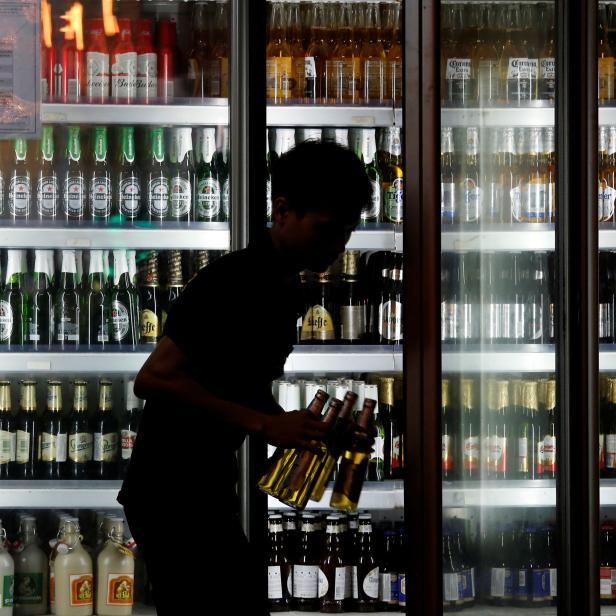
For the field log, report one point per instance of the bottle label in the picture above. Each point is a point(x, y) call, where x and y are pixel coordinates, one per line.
point(19, 195)
point(97, 75)
point(448, 202)
point(47, 192)
point(540, 585)
point(515, 196)
point(181, 197)
point(322, 324)
point(323, 584)
point(390, 319)
point(80, 447)
point(61, 447)
point(396, 452)
point(549, 454)
point(158, 197)
point(605, 76)
point(523, 466)
point(547, 68)
point(6, 446)
point(120, 588)
point(305, 581)
point(130, 196)
point(458, 68)
point(82, 589)
point(6, 591)
point(539, 461)
point(100, 196)
point(553, 583)
point(74, 196)
point(68, 330)
point(370, 584)
point(501, 583)
point(124, 75)
point(274, 582)
point(22, 453)
point(605, 321)
point(148, 326)
point(466, 585)
point(128, 442)
point(607, 195)
point(447, 452)
point(393, 200)
point(373, 80)
point(373, 211)
point(471, 453)
point(378, 451)
point(352, 322)
point(105, 447)
point(498, 454)
point(6, 321)
point(608, 582)
point(522, 587)
point(449, 321)
point(208, 199)
point(47, 447)
point(279, 78)
point(354, 583)
point(521, 74)
point(29, 589)
point(535, 202)
point(120, 321)
point(388, 588)
point(341, 583)
point(610, 450)
point(225, 199)
point(310, 78)
point(471, 200)
point(451, 590)
point(147, 83)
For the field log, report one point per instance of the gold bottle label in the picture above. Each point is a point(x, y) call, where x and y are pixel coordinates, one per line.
point(80, 447)
point(322, 324)
point(47, 447)
point(149, 326)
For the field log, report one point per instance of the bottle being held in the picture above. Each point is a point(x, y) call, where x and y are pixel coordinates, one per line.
point(53, 443)
point(147, 70)
point(100, 191)
point(279, 577)
point(47, 185)
point(129, 427)
point(80, 437)
point(75, 192)
point(97, 63)
point(7, 576)
point(156, 178)
point(181, 172)
point(105, 432)
point(27, 434)
point(67, 308)
point(19, 189)
point(14, 301)
point(124, 66)
point(7, 431)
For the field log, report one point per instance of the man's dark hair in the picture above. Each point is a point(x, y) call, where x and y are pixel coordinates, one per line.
point(322, 176)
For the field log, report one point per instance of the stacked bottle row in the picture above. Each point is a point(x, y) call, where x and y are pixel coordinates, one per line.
point(97, 572)
point(117, 176)
point(492, 297)
point(335, 563)
point(499, 428)
point(498, 175)
point(344, 53)
point(380, 150)
point(505, 564)
point(498, 54)
point(120, 62)
point(119, 302)
point(57, 444)
point(358, 300)
point(386, 460)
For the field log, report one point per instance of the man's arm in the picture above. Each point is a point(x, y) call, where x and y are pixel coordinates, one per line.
point(165, 375)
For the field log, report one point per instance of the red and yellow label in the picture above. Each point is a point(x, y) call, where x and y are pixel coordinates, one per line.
point(82, 589)
point(120, 589)
point(52, 588)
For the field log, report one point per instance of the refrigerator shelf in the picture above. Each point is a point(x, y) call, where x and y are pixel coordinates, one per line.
point(505, 358)
point(492, 493)
point(142, 234)
point(516, 237)
point(489, 610)
point(381, 236)
point(505, 117)
point(323, 359)
point(207, 113)
point(333, 115)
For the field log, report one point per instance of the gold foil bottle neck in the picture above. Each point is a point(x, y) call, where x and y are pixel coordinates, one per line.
point(351, 260)
point(467, 397)
point(386, 390)
point(529, 395)
point(503, 395)
point(5, 396)
point(611, 390)
point(202, 259)
point(174, 274)
point(444, 393)
point(54, 396)
point(550, 395)
point(542, 392)
point(148, 270)
point(517, 386)
point(28, 395)
point(105, 395)
point(80, 396)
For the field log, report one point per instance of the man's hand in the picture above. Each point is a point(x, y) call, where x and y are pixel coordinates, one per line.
point(294, 429)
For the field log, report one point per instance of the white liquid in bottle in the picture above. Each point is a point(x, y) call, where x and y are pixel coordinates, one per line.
point(30, 573)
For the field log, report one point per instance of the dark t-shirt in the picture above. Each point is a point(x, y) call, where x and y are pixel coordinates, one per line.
point(236, 323)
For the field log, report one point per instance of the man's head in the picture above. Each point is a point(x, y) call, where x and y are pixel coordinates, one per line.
point(318, 192)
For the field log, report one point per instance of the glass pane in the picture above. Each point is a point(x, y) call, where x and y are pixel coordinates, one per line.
point(499, 404)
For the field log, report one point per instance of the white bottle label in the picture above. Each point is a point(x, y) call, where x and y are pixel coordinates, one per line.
point(385, 587)
point(47, 447)
point(105, 447)
point(128, 442)
point(354, 583)
point(158, 197)
point(61, 447)
point(124, 76)
point(147, 83)
point(47, 192)
point(323, 584)
point(74, 196)
point(371, 583)
point(450, 587)
point(97, 75)
point(181, 196)
point(100, 197)
point(305, 581)
point(340, 584)
point(208, 198)
point(458, 68)
point(610, 450)
point(80, 447)
point(274, 582)
point(6, 440)
point(19, 195)
point(6, 320)
point(130, 196)
point(22, 455)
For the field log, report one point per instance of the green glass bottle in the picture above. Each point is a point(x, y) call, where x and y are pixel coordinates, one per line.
point(123, 328)
point(14, 301)
point(40, 322)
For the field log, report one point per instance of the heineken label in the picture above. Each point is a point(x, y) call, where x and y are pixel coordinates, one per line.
point(19, 195)
point(180, 197)
point(130, 197)
point(6, 321)
point(120, 321)
point(47, 191)
point(100, 196)
point(208, 198)
point(158, 197)
point(225, 199)
point(100, 144)
point(74, 196)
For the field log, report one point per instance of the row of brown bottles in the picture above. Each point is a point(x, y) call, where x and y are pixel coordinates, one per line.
point(57, 445)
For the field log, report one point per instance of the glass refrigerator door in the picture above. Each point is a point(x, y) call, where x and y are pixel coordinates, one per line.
point(103, 221)
point(499, 405)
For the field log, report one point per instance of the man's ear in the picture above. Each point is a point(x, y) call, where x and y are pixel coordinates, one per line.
point(280, 210)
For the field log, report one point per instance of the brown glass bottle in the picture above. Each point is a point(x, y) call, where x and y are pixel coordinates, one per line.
point(498, 431)
point(367, 567)
point(306, 567)
point(7, 431)
point(150, 305)
point(333, 574)
point(448, 434)
point(105, 432)
point(352, 302)
point(27, 428)
point(470, 430)
point(80, 438)
point(278, 566)
point(52, 449)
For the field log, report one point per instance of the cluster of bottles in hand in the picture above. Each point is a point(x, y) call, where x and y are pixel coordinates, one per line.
point(344, 53)
point(56, 444)
point(67, 576)
point(498, 175)
point(510, 564)
point(380, 150)
point(129, 60)
point(153, 174)
point(499, 428)
point(122, 301)
point(497, 298)
point(295, 476)
point(498, 54)
point(386, 460)
point(363, 303)
point(334, 565)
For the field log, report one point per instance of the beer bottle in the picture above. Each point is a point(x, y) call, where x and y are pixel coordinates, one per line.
point(517, 297)
point(549, 154)
point(156, 178)
point(66, 308)
point(7, 575)
point(367, 567)
point(367, 155)
point(217, 84)
point(501, 571)
point(124, 65)
point(181, 171)
point(393, 62)
point(278, 566)
point(20, 182)
point(537, 301)
point(391, 309)
point(80, 437)
point(47, 185)
point(470, 431)
point(549, 441)
point(175, 283)
point(27, 434)
point(449, 176)
point(30, 571)
point(376, 462)
point(547, 59)
point(535, 183)
point(470, 199)
point(53, 440)
point(393, 176)
point(150, 304)
point(128, 177)
point(498, 431)
point(129, 427)
point(551, 564)
point(372, 58)
point(147, 84)
point(316, 56)
point(606, 177)
point(321, 321)
point(603, 393)
point(607, 593)
point(460, 72)
point(124, 304)
point(280, 78)
point(7, 431)
point(448, 433)
point(291, 538)
point(389, 572)
point(352, 472)
point(452, 570)
point(97, 63)
point(208, 198)
point(606, 300)
point(333, 570)
point(14, 301)
point(94, 304)
point(222, 165)
point(504, 202)
point(537, 396)
point(389, 420)
point(105, 428)
point(352, 301)
point(306, 566)
point(75, 191)
point(484, 56)
point(605, 62)
point(199, 52)
point(523, 441)
point(100, 177)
